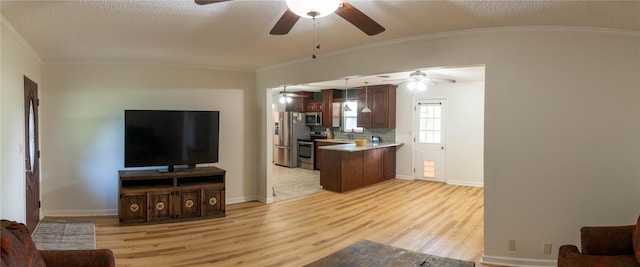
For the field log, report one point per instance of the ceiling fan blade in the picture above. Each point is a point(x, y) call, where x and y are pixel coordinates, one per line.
point(285, 23)
point(442, 80)
point(206, 2)
point(359, 19)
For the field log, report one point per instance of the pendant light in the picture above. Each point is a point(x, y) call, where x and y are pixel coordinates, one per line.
point(366, 108)
point(346, 88)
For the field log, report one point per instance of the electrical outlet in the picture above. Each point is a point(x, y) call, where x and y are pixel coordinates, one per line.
point(511, 245)
point(547, 249)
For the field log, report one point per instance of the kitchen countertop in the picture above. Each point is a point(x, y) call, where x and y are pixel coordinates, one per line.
point(339, 141)
point(351, 147)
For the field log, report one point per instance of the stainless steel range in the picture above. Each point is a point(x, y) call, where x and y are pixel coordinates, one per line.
point(306, 150)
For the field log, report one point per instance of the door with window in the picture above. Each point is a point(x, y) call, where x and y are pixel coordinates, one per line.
point(32, 154)
point(429, 141)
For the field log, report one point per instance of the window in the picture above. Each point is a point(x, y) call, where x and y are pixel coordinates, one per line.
point(430, 119)
point(350, 118)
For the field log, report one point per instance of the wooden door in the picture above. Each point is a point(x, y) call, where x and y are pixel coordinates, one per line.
point(32, 154)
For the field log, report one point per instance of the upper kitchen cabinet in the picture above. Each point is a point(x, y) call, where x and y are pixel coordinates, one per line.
point(296, 105)
point(328, 96)
point(382, 102)
point(298, 102)
point(313, 106)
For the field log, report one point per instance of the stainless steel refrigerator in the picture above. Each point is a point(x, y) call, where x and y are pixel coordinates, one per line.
point(288, 128)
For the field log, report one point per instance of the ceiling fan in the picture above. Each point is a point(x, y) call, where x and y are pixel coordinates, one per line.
point(344, 10)
point(420, 80)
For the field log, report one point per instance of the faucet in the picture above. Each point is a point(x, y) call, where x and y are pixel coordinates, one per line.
point(349, 135)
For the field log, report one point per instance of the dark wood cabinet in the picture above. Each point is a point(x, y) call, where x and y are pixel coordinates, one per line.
point(318, 152)
point(346, 170)
point(372, 169)
point(314, 106)
point(149, 196)
point(297, 105)
point(389, 163)
point(327, 105)
point(381, 99)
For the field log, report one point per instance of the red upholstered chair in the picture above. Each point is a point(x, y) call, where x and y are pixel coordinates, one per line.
point(604, 246)
point(19, 250)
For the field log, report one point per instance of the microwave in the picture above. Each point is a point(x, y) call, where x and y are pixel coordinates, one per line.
point(313, 118)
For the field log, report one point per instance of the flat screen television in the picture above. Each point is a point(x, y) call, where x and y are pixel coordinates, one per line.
point(170, 138)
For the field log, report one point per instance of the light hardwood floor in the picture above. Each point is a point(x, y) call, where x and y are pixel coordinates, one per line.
point(435, 218)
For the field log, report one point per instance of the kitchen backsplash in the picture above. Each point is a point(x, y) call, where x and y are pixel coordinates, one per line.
point(387, 135)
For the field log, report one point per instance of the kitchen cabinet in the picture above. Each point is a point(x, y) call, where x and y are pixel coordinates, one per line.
point(382, 102)
point(318, 157)
point(389, 163)
point(314, 106)
point(347, 167)
point(296, 105)
point(327, 104)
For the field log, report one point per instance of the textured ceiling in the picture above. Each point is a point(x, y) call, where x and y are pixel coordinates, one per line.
point(235, 34)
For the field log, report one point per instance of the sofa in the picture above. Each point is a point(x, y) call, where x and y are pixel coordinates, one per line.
point(604, 246)
point(18, 249)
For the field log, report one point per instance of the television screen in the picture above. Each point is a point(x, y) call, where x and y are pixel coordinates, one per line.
point(170, 137)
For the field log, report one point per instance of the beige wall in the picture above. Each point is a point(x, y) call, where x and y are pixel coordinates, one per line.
point(562, 125)
point(464, 130)
point(17, 60)
point(82, 126)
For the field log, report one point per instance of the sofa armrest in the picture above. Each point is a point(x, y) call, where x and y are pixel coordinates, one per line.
point(93, 257)
point(607, 240)
point(569, 256)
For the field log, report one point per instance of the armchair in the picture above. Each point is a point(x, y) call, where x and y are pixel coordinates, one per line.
point(18, 249)
point(603, 246)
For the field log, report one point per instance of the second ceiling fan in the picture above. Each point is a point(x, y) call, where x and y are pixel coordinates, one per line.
point(344, 10)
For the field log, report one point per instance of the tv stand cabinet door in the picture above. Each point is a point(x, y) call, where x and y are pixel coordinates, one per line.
point(213, 202)
point(133, 208)
point(159, 208)
point(189, 203)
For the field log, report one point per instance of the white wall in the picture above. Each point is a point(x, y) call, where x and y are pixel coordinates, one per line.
point(17, 60)
point(82, 127)
point(464, 130)
point(562, 125)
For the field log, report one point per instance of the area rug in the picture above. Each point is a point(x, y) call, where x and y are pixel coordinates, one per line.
point(58, 234)
point(369, 253)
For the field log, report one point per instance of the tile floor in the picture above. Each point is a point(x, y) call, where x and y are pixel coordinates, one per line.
point(294, 182)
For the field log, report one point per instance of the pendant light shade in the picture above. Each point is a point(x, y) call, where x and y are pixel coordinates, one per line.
point(366, 108)
point(313, 8)
point(346, 88)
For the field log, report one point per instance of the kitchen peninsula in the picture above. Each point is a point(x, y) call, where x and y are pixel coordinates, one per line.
point(347, 166)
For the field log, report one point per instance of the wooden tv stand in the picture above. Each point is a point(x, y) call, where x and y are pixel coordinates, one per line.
point(149, 196)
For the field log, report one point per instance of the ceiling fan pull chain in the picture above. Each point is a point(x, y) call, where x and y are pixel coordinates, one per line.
point(314, 38)
point(318, 35)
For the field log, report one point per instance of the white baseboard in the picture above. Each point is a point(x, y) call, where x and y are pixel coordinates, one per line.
point(519, 262)
point(79, 213)
point(465, 183)
point(403, 177)
point(241, 199)
point(452, 182)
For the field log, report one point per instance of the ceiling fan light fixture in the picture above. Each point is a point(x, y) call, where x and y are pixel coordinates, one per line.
point(417, 86)
point(313, 8)
point(418, 75)
point(284, 97)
